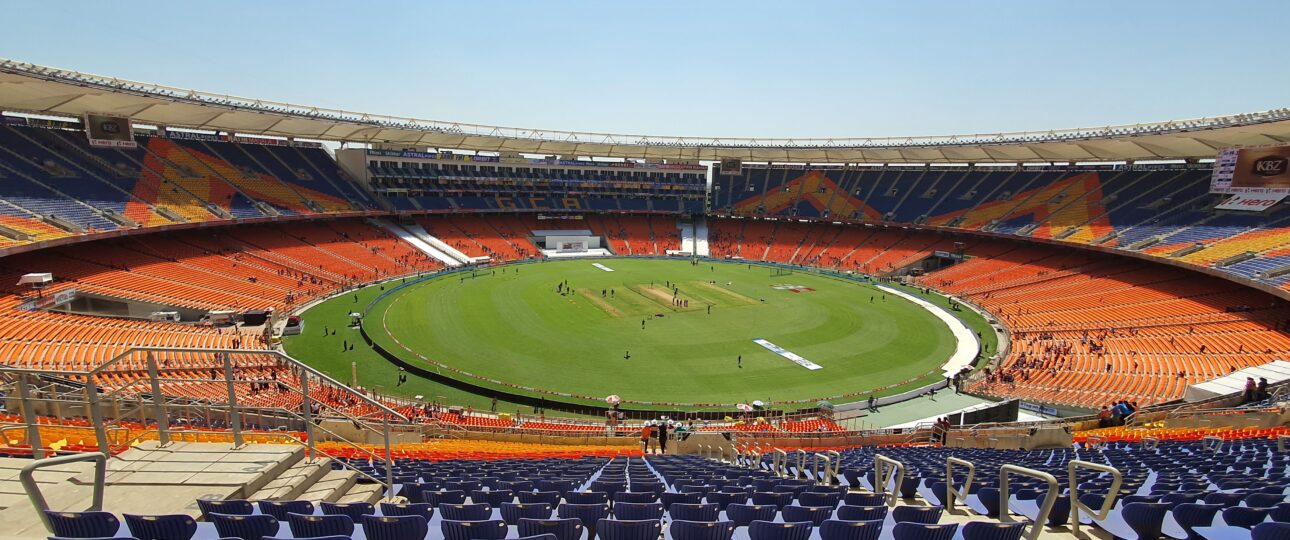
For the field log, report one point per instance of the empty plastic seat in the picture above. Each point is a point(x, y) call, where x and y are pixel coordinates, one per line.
point(437, 498)
point(833, 529)
point(614, 529)
point(924, 531)
point(638, 511)
point(164, 527)
point(563, 528)
point(408, 509)
point(917, 514)
point(512, 512)
point(355, 510)
point(466, 512)
point(744, 514)
point(724, 499)
point(306, 526)
point(586, 497)
point(394, 527)
point(694, 512)
point(813, 498)
point(589, 514)
point(668, 498)
point(814, 514)
point(1192, 515)
point(1145, 518)
point(635, 497)
point(493, 498)
point(701, 530)
point(863, 499)
point(780, 500)
point(247, 527)
point(232, 507)
point(280, 509)
point(980, 530)
point(765, 530)
point(549, 497)
point(83, 524)
point(473, 530)
point(1271, 530)
point(861, 513)
point(1243, 516)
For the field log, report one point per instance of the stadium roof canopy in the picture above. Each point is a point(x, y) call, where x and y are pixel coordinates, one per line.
point(29, 88)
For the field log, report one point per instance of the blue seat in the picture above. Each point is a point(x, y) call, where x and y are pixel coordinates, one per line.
point(562, 529)
point(280, 509)
point(694, 512)
point(917, 514)
point(669, 498)
point(989, 497)
point(166, 527)
point(589, 514)
point(473, 530)
point(638, 511)
point(834, 529)
point(765, 530)
point(464, 486)
point(701, 530)
point(493, 497)
point(780, 500)
point(355, 510)
point(744, 514)
point(641, 529)
point(863, 499)
point(1272, 530)
point(307, 526)
point(83, 524)
point(924, 531)
point(723, 500)
point(814, 514)
point(305, 538)
point(550, 497)
point(980, 530)
point(437, 498)
point(512, 512)
point(1192, 515)
point(861, 513)
point(245, 527)
point(1225, 499)
point(815, 498)
point(1264, 500)
point(394, 527)
point(609, 487)
point(1145, 518)
point(231, 507)
point(586, 497)
point(466, 512)
point(539, 537)
point(1244, 516)
point(635, 497)
point(408, 509)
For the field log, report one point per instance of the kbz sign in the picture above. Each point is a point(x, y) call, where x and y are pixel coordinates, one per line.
point(1265, 168)
point(1271, 166)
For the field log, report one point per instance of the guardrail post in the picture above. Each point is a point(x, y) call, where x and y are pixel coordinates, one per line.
point(1212, 443)
point(885, 470)
point(1108, 502)
point(953, 494)
point(1150, 443)
point(779, 463)
point(96, 414)
point(835, 458)
point(306, 410)
point(158, 402)
point(1045, 508)
point(815, 467)
point(389, 460)
point(801, 464)
point(234, 417)
point(1281, 442)
point(29, 417)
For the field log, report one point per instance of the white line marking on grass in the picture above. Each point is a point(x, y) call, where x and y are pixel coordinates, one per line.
point(602, 267)
point(792, 357)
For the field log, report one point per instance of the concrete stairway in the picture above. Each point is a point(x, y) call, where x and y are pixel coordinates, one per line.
point(149, 479)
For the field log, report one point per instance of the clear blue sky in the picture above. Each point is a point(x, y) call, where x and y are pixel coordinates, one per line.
point(786, 68)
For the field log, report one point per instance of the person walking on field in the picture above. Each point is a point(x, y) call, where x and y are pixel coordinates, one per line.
point(740, 361)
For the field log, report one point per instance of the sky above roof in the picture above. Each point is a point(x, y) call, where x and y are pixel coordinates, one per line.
point(712, 68)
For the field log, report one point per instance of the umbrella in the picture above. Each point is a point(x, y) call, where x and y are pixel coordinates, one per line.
point(743, 407)
point(613, 400)
point(758, 404)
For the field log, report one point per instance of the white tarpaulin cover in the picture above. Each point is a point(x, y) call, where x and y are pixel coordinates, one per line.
point(1275, 371)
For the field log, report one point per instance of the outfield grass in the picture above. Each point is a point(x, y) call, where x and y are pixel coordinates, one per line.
point(515, 327)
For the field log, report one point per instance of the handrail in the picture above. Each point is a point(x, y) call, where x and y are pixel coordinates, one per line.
point(1037, 526)
point(836, 460)
point(779, 463)
point(1150, 443)
point(884, 469)
point(37, 498)
point(801, 464)
point(1108, 502)
point(953, 494)
point(1211, 443)
point(815, 467)
point(1281, 442)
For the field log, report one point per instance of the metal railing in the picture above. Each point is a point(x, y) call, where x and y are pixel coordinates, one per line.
point(885, 470)
point(1212, 444)
point(1108, 502)
point(28, 478)
point(955, 495)
point(1036, 526)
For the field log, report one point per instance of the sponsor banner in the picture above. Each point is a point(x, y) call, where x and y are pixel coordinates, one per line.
point(15, 120)
point(109, 131)
point(1263, 170)
point(1050, 411)
point(255, 140)
point(56, 124)
point(1251, 202)
point(44, 302)
point(792, 357)
point(188, 135)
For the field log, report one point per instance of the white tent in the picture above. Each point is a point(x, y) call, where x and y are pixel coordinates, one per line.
point(1232, 383)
